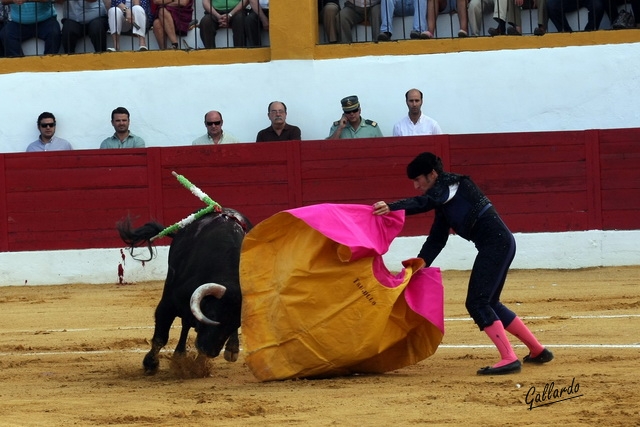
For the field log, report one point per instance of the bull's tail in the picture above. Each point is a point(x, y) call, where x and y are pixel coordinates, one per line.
point(137, 237)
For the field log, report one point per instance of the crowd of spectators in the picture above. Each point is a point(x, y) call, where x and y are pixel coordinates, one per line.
point(350, 125)
point(171, 20)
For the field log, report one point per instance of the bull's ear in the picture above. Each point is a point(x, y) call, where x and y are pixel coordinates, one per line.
point(208, 289)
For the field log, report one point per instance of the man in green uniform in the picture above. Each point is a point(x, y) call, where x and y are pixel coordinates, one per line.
point(351, 125)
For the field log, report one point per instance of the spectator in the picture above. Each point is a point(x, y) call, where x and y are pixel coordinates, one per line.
point(351, 124)
point(172, 19)
point(459, 205)
point(622, 19)
point(122, 138)
point(47, 141)
point(507, 11)
point(213, 123)
point(256, 21)
point(558, 8)
point(503, 11)
point(222, 14)
point(355, 12)
point(5, 10)
point(391, 8)
point(128, 15)
point(28, 20)
point(328, 13)
point(279, 130)
point(415, 123)
point(435, 7)
point(543, 17)
point(82, 18)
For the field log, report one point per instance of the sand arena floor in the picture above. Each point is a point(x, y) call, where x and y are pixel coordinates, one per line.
point(72, 355)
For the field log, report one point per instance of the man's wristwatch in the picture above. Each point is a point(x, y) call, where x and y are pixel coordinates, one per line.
point(230, 15)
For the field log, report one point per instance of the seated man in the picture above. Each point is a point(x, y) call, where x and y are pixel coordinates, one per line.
point(351, 124)
point(4, 17)
point(47, 141)
point(279, 130)
point(122, 138)
point(222, 14)
point(356, 12)
point(256, 21)
point(391, 8)
point(82, 18)
point(213, 123)
point(557, 10)
point(504, 11)
point(29, 20)
point(328, 13)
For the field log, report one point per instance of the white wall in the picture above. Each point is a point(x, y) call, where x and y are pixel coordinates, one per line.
point(534, 250)
point(571, 88)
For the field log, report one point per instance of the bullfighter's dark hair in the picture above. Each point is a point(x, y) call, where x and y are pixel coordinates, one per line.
point(423, 164)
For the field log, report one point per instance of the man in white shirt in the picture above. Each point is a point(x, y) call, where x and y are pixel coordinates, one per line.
point(415, 123)
point(213, 122)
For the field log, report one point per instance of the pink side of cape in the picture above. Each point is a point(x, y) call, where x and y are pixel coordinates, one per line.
point(368, 235)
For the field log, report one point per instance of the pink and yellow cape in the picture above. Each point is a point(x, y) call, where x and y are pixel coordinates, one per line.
point(318, 300)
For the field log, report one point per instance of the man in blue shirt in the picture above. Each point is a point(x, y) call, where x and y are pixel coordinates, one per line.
point(28, 20)
point(47, 141)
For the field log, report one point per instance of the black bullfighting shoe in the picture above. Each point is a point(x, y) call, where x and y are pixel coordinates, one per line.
point(512, 368)
point(544, 357)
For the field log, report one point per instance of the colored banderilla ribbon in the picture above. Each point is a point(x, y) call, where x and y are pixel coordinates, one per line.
point(211, 207)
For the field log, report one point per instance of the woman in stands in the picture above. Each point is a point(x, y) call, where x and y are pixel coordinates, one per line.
point(173, 18)
point(128, 15)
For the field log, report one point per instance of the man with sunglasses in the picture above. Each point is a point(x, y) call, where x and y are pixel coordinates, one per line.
point(47, 141)
point(213, 123)
point(351, 125)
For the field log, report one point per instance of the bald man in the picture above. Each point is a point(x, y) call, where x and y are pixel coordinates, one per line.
point(415, 123)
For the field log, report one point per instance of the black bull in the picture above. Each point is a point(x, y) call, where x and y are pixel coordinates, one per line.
point(202, 285)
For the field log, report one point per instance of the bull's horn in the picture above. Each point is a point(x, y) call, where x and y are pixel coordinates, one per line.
point(207, 289)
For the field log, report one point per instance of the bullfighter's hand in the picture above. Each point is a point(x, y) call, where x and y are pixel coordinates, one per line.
point(380, 208)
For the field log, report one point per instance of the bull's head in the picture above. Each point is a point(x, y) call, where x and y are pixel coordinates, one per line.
point(221, 320)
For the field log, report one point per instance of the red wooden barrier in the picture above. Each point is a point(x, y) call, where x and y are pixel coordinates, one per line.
point(546, 181)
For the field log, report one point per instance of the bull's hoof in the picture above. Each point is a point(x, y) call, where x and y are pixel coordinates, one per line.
point(231, 356)
point(150, 364)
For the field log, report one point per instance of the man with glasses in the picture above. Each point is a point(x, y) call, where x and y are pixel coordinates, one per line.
point(279, 130)
point(47, 141)
point(213, 122)
point(351, 125)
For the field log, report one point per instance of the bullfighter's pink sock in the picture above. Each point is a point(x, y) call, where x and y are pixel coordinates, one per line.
point(497, 334)
point(524, 334)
